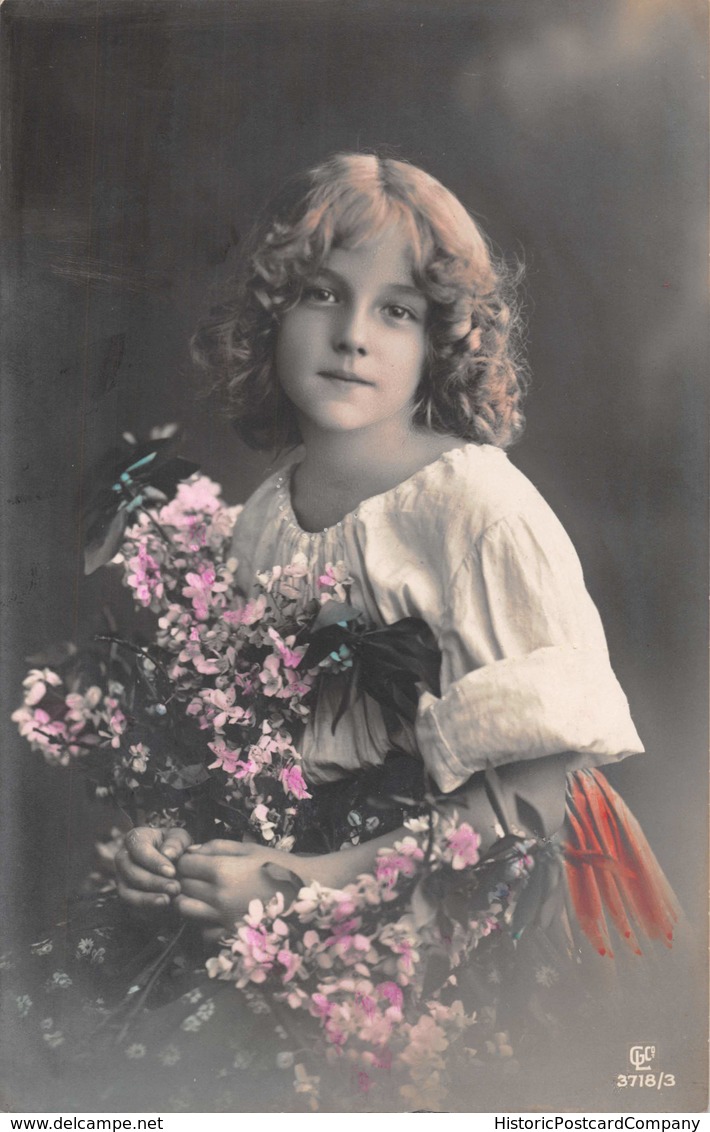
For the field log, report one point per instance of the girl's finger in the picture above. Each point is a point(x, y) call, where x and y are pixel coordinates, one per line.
point(199, 867)
point(196, 910)
point(148, 901)
point(134, 877)
point(198, 890)
point(220, 849)
point(176, 841)
point(141, 844)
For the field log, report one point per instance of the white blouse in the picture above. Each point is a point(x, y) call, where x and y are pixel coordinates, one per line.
point(468, 545)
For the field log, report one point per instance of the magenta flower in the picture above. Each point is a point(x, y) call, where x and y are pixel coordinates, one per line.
point(290, 657)
point(319, 1006)
point(227, 759)
point(294, 782)
point(392, 993)
point(464, 843)
point(291, 962)
point(146, 579)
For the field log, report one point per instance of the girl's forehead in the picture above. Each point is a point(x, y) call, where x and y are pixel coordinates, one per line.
point(385, 257)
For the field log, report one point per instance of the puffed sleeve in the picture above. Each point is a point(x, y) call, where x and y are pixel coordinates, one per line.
point(525, 666)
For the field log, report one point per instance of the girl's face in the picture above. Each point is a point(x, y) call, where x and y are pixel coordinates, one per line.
point(350, 355)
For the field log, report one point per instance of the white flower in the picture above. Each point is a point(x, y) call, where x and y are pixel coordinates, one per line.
point(84, 947)
point(258, 1006)
point(135, 1051)
point(24, 1003)
point(304, 1083)
point(170, 1056)
point(205, 1011)
point(417, 825)
point(285, 1059)
point(54, 1039)
point(191, 1023)
point(59, 979)
point(192, 996)
point(139, 757)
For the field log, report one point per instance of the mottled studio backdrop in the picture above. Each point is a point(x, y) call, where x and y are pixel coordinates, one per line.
point(140, 137)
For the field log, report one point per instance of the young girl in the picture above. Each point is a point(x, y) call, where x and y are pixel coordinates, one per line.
point(371, 337)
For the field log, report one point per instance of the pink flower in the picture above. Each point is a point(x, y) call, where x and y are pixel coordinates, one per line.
point(464, 843)
point(290, 657)
point(229, 760)
point(376, 1030)
point(145, 579)
point(294, 782)
point(193, 496)
point(319, 1006)
point(36, 684)
point(336, 579)
point(403, 858)
point(270, 676)
point(247, 614)
point(392, 993)
point(201, 589)
point(291, 962)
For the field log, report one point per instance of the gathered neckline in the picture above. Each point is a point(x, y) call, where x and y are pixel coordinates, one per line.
point(285, 478)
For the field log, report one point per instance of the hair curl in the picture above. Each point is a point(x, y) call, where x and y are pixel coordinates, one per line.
point(473, 382)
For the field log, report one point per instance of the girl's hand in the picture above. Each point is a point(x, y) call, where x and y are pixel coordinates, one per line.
point(145, 868)
point(218, 880)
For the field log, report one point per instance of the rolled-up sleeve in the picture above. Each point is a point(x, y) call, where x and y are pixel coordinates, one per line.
point(525, 667)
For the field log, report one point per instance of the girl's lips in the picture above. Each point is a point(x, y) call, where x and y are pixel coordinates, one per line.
point(343, 375)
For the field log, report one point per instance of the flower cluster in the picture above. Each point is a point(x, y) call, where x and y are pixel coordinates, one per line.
point(67, 725)
point(354, 965)
point(207, 718)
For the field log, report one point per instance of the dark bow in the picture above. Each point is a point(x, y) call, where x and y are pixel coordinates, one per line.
point(391, 664)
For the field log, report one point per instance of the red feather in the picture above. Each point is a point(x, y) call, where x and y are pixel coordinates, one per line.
point(584, 890)
point(655, 905)
point(608, 873)
point(620, 872)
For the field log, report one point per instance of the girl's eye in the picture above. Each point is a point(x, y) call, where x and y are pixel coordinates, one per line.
point(317, 294)
point(400, 314)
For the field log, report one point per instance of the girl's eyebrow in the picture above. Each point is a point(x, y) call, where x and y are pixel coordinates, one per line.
point(401, 288)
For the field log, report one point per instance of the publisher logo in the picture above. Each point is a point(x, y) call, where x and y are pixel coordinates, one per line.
point(643, 1077)
point(641, 1057)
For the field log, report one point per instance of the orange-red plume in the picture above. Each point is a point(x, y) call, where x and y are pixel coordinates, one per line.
point(611, 869)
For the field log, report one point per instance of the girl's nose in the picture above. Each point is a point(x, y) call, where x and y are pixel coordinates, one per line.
point(351, 333)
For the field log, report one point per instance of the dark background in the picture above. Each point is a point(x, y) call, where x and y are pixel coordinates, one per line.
point(139, 139)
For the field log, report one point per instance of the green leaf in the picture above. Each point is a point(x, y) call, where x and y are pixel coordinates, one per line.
point(332, 613)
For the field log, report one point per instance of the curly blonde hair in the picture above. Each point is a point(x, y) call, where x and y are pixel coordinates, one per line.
point(473, 381)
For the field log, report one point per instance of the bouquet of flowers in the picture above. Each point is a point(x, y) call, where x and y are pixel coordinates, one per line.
point(200, 726)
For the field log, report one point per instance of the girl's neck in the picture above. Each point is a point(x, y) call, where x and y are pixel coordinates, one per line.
point(341, 469)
